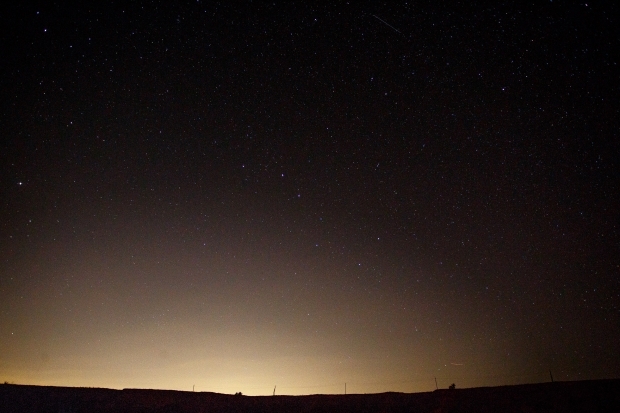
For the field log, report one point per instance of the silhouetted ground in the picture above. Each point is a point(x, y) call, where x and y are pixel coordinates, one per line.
point(581, 396)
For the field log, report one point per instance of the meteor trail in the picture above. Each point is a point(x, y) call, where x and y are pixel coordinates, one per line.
point(386, 23)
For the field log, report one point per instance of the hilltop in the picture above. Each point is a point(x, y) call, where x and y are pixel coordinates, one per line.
point(576, 396)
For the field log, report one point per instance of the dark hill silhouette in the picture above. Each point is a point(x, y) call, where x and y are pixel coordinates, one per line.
point(580, 396)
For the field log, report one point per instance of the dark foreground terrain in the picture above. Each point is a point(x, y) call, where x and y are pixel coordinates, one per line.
point(581, 396)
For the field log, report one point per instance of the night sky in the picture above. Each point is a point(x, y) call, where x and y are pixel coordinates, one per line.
point(240, 195)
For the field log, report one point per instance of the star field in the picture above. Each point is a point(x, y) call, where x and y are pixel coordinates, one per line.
point(237, 196)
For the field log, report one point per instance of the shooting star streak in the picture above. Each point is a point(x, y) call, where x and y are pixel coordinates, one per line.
point(457, 364)
point(386, 23)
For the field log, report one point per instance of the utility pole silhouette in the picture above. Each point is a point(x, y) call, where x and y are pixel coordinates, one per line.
point(193, 385)
point(274, 390)
point(345, 388)
point(436, 386)
point(551, 375)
